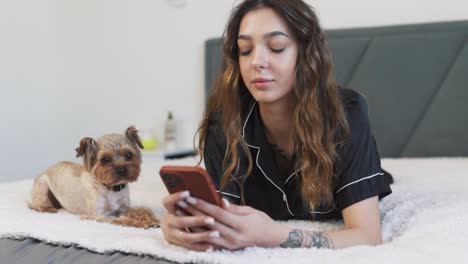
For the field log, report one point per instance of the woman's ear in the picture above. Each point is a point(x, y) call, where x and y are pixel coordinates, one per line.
point(132, 135)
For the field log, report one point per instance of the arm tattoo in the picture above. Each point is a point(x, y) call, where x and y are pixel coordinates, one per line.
point(294, 240)
point(301, 238)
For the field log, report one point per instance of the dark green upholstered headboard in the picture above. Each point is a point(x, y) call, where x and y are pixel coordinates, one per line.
point(414, 78)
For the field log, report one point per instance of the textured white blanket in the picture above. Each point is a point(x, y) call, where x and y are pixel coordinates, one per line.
point(425, 220)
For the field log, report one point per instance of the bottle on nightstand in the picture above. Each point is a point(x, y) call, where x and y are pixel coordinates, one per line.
point(170, 140)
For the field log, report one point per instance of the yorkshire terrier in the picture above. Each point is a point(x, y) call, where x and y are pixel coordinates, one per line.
point(98, 189)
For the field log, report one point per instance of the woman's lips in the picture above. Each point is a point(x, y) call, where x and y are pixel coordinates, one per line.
point(261, 82)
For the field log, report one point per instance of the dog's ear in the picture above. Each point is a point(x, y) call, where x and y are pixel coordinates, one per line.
point(87, 145)
point(132, 135)
point(88, 149)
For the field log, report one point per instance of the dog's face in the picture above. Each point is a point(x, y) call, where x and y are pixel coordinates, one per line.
point(114, 158)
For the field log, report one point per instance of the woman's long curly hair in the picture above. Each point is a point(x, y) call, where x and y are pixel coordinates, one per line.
point(320, 122)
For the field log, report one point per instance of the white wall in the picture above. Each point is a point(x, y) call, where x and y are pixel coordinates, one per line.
point(70, 69)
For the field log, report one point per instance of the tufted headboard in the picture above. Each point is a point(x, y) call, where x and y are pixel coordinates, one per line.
point(414, 78)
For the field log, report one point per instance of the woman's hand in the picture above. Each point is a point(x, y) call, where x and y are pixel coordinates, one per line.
point(240, 226)
point(175, 224)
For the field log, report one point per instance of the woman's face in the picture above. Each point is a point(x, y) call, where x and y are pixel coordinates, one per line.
point(267, 55)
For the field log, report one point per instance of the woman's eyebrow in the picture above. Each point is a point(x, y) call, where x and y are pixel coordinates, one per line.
point(267, 35)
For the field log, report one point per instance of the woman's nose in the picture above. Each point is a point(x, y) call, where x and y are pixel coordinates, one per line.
point(260, 58)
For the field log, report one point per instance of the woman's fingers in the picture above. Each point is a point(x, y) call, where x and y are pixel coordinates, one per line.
point(216, 212)
point(223, 243)
point(201, 224)
point(182, 222)
point(236, 209)
point(196, 241)
point(190, 209)
point(170, 201)
point(193, 241)
point(200, 247)
point(226, 233)
point(185, 209)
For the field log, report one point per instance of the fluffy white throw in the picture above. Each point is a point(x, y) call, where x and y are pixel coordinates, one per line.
point(425, 220)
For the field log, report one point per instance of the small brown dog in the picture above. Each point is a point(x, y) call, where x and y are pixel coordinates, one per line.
point(99, 189)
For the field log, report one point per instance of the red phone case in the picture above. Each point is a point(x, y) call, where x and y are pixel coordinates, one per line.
point(192, 178)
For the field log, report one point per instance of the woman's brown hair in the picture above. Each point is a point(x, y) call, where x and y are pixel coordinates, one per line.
point(320, 122)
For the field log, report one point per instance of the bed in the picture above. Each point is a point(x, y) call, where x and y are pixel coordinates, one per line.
point(415, 80)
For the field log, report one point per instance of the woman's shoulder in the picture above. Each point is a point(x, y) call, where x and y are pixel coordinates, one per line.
point(355, 107)
point(356, 110)
point(353, 100)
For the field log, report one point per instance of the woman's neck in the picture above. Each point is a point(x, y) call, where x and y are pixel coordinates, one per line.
point(278, 122)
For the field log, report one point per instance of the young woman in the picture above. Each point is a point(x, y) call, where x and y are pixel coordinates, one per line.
point(282, 141)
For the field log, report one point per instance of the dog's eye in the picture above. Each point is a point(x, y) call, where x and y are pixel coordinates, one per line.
point(128, 156)
point(105, 160)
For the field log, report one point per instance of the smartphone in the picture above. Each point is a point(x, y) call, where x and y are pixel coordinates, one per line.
point(190, 178)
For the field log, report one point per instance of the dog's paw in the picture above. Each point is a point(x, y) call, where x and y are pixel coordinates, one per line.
point(50, 210)
point(43, 209)
point(138, 217)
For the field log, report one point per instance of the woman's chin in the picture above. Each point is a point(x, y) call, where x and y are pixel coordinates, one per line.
point(264, 100)
point(264, 97)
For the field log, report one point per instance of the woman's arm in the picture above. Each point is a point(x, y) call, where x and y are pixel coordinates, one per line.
point(243, 226)
point(362, 227)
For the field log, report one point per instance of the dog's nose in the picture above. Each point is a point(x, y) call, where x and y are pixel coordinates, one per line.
point(121, 171)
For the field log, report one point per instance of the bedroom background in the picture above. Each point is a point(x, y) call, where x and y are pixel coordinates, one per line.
point(70, 69)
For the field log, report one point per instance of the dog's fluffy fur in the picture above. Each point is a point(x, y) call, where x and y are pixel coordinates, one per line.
point(98, 189)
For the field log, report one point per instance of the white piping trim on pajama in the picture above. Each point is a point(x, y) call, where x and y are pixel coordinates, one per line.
point(315, 212)
point(364, 178)
point(229, 194)
point(285, 197)
point(294, 173)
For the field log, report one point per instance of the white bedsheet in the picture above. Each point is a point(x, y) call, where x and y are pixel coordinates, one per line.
point(425, 220)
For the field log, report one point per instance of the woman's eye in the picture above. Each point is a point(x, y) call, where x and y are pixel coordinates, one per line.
point(105, 160)
point(129, 156)
point(244, 52)
point(277, 50)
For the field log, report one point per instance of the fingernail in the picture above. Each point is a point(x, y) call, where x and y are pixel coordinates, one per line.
point(209, 249)
point(179, 213)
point(182, 204)
point(226, 203)
point(191, 200)
point(184, 194)
point(214, 234)
point(209, 221)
